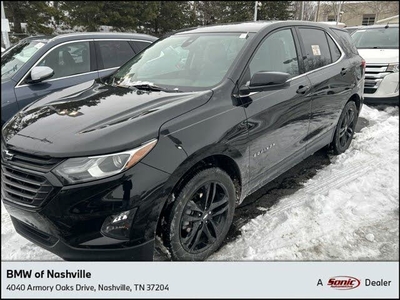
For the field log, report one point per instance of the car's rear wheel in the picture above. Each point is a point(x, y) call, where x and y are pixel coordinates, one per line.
point(201, 215)
point(345, 128)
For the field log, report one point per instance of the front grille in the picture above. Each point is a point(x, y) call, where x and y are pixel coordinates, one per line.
point(29, 161)
point(374, 74)
point(24, 188)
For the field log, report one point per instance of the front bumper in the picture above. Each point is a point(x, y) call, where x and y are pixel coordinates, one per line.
point(394, 100)
point(143, 252)
point(386, 91)
point(69, 222)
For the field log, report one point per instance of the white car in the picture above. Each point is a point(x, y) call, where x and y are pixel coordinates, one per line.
point(2, 49)
point(379, 46)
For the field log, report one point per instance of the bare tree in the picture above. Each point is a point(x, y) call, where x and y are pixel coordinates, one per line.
point(309, 10)
point(330, 8)
point(383, 7)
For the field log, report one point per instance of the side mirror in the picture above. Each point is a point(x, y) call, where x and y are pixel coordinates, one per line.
point(39, 74)
point(263, 80)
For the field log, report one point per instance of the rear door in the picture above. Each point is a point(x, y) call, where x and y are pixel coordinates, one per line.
point(278, 118)
point(72, 62)
point(331, 79)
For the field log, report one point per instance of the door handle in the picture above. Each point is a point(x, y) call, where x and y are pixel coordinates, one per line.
point(302, 89)
point(343, 71)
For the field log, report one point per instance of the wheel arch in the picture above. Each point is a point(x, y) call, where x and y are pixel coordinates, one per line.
point(201, 160)
point(356, 98)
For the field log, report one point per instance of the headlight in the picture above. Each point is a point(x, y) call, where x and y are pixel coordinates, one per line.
point(393, 68)
point(82, 169)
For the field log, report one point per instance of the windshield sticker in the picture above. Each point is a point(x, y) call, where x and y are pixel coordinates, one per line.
point(39, 45)
point(315, 50)
point(243, 36)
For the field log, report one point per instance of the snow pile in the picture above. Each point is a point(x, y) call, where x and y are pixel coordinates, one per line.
point(15, 247)
point(348, 211)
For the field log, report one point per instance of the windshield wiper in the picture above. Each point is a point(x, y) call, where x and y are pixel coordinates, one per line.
point(148, 87)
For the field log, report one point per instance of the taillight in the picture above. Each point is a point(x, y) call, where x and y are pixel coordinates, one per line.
point(363, 64)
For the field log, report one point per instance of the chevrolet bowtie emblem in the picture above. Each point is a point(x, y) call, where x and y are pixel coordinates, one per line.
point(8, 155)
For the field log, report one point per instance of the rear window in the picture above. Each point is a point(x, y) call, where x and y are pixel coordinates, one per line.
point(141, 45)
point(335, 52)
point(115, 53)
point(345, 41)
point(377, 38)
point(316, 47)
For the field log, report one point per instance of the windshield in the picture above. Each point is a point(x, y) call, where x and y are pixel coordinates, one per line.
point(377, 38)
point(16, 57)
point(183, 62)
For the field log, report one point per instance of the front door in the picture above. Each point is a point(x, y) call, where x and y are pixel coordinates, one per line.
point(278, 119)
point(71, 63)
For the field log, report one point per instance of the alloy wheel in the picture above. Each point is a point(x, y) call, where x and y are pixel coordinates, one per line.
point(204, 217)
point(347, 127)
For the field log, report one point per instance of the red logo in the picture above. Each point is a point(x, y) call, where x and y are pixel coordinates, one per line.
point(344, 282)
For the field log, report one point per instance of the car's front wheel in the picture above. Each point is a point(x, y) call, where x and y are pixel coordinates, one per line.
point(345, 128)
point(201, 215)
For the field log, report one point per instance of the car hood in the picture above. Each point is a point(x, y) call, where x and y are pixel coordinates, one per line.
point(379, 56)
point(93, 118)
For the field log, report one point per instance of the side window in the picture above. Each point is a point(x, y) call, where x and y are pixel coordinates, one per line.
point(277, 53)
point(335, 52)
point(114, 53)
point(141, 45)
point(345, 41)
point(69, 59)
point(316, 48)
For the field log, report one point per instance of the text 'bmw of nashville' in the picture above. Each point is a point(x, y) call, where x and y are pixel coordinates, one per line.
point(177, 137)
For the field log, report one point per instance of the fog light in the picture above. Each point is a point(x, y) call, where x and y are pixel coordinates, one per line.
point(118, 226)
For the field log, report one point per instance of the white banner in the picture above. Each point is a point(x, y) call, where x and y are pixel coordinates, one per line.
point(199, 280)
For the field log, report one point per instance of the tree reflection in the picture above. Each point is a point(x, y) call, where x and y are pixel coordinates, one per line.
point(70, 107)
point(315, 62)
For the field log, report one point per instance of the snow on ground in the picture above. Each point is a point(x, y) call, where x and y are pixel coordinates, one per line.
point(348, 211)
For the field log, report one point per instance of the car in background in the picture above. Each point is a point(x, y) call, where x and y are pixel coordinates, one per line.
point(351, 29)
point(379, 46)
point(40, 65)
point(333, 24)
point(2, 49)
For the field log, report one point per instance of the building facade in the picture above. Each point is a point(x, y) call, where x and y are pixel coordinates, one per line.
point(356, 13)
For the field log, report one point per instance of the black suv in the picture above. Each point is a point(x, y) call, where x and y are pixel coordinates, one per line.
point(176, 138)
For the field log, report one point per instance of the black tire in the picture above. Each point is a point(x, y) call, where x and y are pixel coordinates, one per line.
point(201, 216)
point(345, 128)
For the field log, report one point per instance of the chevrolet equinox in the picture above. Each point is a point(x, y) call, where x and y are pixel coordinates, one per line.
point(170, 143)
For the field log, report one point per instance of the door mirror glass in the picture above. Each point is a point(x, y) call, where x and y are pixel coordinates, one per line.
point(39, 74)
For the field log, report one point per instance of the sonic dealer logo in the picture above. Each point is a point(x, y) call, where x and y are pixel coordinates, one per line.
point(344, 282)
